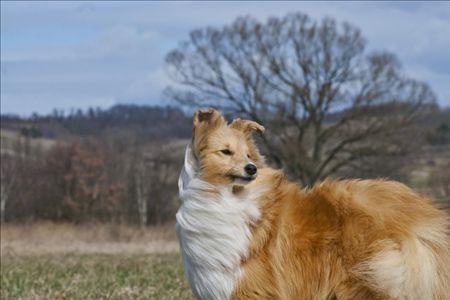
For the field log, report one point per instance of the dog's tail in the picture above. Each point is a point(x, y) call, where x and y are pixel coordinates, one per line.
point(415, 268)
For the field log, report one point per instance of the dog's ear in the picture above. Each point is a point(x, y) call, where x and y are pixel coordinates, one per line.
point(209, 117)
point(204, 121)
point(246, 126)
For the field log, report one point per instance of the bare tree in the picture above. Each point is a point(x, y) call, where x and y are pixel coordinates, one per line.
point(142, 185)
point(79, 187)
point(163, 165)
point(16, 167)
point(8, 172)
point(153, 171)
point(439, 185)
point(327, 103)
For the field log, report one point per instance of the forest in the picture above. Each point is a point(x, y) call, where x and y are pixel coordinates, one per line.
point(121, 164)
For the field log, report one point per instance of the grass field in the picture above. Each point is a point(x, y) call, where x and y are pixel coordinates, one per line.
point(93, 276)
point(96, 262)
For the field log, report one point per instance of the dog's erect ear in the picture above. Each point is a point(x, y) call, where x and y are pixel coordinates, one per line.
point(204, 121)
point(247, 126)
point(209, 117)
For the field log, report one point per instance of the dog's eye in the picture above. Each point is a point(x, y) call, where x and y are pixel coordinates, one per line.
point(226, 152)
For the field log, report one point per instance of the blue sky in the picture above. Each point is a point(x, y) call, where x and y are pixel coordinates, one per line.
point(80, 54)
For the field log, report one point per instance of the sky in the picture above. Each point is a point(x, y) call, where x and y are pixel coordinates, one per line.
point(67, 55)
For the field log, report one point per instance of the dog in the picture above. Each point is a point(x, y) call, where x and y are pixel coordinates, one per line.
point(247, 232)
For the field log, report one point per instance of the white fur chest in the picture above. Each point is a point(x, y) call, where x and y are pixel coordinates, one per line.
point(213, 228)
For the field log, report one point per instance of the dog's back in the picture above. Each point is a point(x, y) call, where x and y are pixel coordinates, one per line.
point(360, 239)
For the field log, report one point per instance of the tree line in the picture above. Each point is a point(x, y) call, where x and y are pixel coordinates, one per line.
point(142, 121)
point(124, 179)
point(125, 176)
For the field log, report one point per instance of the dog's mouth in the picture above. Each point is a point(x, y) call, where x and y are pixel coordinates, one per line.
point(242, 179)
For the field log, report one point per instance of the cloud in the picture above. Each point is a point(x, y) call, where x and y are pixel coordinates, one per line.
point(70, 54)
point(116, 42)
point(146, 89)
point(94, 72)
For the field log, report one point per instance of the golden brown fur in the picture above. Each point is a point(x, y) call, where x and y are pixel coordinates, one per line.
point(350, 239)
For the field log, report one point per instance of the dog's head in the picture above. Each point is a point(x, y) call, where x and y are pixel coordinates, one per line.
point(226, 152)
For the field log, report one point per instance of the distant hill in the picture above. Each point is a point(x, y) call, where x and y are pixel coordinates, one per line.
point(150, 123)
point(147, 123)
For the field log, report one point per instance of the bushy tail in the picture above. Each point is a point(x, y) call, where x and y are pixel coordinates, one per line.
point(443, 271)
point(415, 268)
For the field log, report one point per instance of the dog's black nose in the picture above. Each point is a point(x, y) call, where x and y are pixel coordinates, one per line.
point(250, 169)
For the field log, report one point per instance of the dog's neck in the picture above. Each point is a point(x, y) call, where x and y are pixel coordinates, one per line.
point(214, 228)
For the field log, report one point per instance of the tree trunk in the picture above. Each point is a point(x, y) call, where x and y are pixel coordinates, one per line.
point(141, 201)
point(3, 198)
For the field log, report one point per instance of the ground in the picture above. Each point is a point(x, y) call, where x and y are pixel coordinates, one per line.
point(87, 269)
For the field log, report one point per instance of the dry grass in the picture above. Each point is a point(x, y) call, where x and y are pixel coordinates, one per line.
point(10, 137)
point(49, 238)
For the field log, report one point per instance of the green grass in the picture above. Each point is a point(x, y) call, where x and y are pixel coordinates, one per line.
point(93, 276)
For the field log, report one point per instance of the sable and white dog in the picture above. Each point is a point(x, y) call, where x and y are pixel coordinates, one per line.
point(246, 232)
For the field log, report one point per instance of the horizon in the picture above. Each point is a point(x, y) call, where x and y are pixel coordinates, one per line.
point(76, 55)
